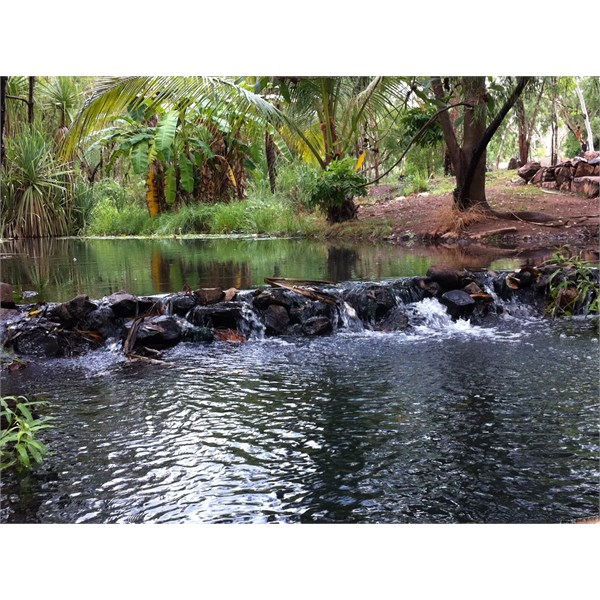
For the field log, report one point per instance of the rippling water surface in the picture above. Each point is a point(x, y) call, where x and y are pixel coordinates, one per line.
point(447, 424)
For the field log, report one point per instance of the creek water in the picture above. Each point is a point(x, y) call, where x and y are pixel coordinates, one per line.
point(447, 422)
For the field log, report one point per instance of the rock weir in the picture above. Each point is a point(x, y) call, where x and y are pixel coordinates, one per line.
point(145, 326)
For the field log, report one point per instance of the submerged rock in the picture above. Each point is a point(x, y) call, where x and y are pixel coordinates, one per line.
point(395, 320)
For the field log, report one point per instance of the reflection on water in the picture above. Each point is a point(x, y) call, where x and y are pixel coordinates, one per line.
point(59, 269)
point(479, 425)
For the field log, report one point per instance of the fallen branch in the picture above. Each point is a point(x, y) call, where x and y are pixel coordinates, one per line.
point(277, 282)
point(485, 234)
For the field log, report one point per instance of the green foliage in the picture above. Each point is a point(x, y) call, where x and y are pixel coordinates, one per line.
point(296, 181)
point(573, 287)
point(414, 181)
point(34, 187)
point(108, 219)
point(256, 216)
point(19, 444)
point(337, 184)
point(189, 219)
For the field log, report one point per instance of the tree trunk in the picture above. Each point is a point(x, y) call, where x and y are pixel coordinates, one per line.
point(270, 154)
point(472, 191)
point(471, 180)
point(523, 137)
point(554, 136)
point(30, 100)
point(154, 189)
point(586, 117)
point(3, 82)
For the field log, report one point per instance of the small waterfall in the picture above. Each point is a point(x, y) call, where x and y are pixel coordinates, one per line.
point(252, 326)
point(430, 315)
point(347, 318)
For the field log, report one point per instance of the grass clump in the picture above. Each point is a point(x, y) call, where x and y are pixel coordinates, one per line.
point(574, 287)
point(108, 219)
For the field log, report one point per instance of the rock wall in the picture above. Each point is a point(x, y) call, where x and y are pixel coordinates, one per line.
point(580, 175)
point(145, 326)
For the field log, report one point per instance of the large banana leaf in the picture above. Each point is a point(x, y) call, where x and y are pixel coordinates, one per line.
point(114, 96)
point(186, 174)
point(139, 157)
point(165, 131)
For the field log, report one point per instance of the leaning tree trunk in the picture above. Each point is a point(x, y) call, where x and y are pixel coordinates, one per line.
point(467, 196)
point(586, 117)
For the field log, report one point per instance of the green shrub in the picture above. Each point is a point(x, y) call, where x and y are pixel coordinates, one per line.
point(296, 182)
point(336, 188)
point(19, 445)
point(573, 287)
point(34, 187)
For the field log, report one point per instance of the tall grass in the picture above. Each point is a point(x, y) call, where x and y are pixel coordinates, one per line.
point(269, 216)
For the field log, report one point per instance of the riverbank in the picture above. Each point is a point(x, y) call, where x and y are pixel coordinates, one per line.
point(428, 217)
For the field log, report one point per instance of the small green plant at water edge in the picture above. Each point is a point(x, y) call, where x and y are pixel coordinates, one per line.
point(336, 188)
point(19, 445)
point(573, 287)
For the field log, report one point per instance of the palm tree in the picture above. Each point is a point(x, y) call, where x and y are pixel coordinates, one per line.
point(114, 96)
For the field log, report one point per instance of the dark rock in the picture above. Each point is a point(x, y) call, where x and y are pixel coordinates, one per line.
point(276, 319)
point(458, 303)
point(549, 174)
point(74, 311)
point(298, 307)
point(513, 164)
point(6, 296)
point(209, 295)
point(103, 321)
point(371, 302)
point(197, 334)
point(317, 326)
point(181, 304)
point(159, 332)
point(225, 315)
point(43, 338)
point(123, 304)
point(395, 320)
point(528, 170)
point(447, 277)
point(431, 289)
point(412, 290)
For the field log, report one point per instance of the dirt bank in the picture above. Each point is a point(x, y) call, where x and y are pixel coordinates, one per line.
point(429, 217)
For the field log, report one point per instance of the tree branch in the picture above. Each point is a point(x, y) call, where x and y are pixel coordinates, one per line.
point(416, 137)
